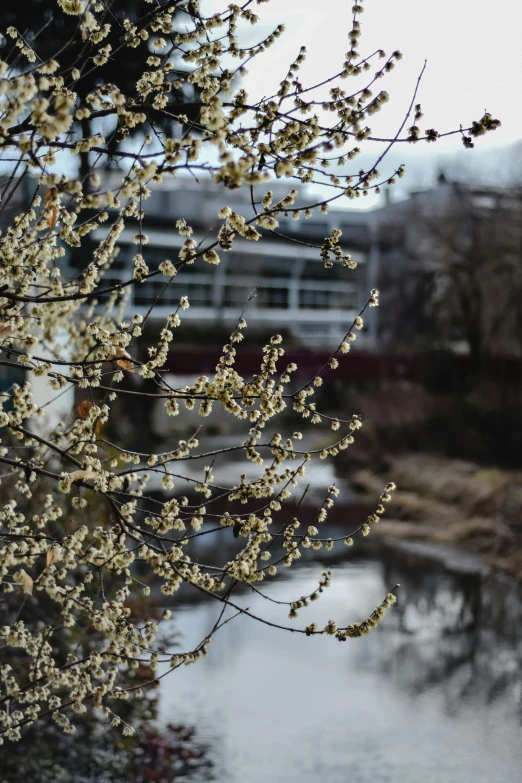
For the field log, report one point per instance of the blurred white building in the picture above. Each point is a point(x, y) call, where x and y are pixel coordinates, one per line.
point(292, 287)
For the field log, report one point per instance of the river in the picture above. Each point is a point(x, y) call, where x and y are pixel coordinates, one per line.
point(433, 695)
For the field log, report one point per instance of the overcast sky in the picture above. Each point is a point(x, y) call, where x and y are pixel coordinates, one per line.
point(474, 63)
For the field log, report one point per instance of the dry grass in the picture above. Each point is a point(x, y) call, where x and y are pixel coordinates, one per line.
point(453, 502)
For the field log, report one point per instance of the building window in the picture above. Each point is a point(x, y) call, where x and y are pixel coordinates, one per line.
point(108, 281)
point(277, 266)
point(146, 293)
point(314, 299)
point(153, 255)
point(317, 299)
point(315, 270)
point(199, 294)
point(237, 296)
point(122, 262)
point(343, 300)
point(272, 297)
point(312, 228)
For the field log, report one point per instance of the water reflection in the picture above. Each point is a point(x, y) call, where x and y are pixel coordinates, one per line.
point(433, 695)
point(97, 753)
point(460, 633)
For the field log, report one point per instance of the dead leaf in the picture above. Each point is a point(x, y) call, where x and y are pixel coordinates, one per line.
point(86, 475)
point(124, 363)
point(5, 330)
point(50, 558)
point(83, 408)
point(118, 352)
point(51, 220)
point(51, 193)
point(27, 582)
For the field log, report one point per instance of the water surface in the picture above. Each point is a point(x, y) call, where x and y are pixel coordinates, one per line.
point(432, 696)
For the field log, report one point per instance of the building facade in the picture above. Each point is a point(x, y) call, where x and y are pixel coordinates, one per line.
point(282, 277)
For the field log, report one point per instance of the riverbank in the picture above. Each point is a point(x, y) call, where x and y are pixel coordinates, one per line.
point(452, 503)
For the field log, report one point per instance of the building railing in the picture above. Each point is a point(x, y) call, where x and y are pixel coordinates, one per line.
point(282, 287)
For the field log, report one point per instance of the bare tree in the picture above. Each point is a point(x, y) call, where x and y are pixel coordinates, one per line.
point(462, 254)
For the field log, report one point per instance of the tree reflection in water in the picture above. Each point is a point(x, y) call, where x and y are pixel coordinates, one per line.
point(100, 754)
point(457, 631)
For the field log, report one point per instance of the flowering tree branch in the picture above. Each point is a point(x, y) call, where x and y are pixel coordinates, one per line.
point(82, 528)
